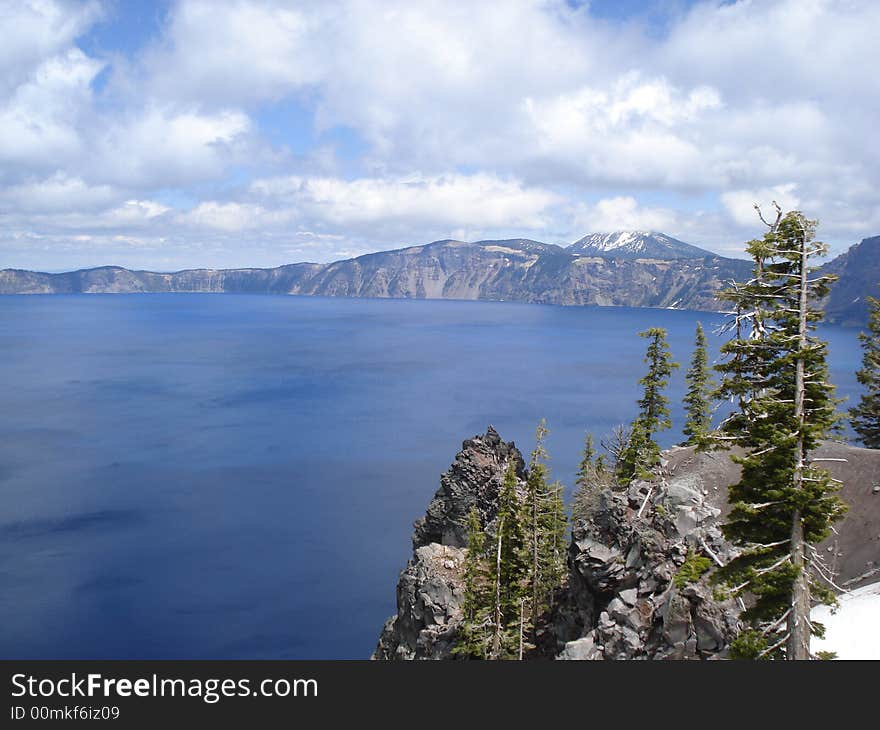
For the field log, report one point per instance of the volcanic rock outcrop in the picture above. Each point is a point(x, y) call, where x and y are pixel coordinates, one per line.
point(430, 591)
point(640, 558)
point(630, 593)
point(621, 600)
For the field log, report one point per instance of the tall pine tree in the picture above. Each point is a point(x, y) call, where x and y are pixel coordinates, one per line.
point(642, 452)
point(508, 569)
point(783, 505)
point(654, 405)
point(698, 400)
point(555, 540)
point(475, 634)
point(545, 525)
point(865, 417)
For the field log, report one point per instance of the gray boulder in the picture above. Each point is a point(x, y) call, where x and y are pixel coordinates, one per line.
point(429, 599)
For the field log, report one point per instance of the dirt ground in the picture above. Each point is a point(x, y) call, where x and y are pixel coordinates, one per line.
point(857, 544)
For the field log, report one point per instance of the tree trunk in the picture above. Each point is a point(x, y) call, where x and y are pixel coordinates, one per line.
point(798, 645)
point(535, 568)
point(522, 628)
point(496, 639)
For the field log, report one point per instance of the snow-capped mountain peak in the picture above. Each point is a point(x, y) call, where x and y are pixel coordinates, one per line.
point(636, 244)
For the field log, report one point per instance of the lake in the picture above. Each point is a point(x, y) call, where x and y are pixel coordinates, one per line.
point(230, 476)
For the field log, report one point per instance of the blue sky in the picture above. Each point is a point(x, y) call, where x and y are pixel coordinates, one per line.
point(216, 133)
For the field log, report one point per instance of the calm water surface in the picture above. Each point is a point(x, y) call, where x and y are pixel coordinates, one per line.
point(205, 476)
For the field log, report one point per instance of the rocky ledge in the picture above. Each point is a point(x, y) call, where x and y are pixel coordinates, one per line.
point(630, 594)
point(430, 591)
point(632, 590)
point(621, 600)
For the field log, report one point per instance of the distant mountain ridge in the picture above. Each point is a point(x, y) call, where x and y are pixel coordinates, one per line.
point(627, 268)
point(502, 270)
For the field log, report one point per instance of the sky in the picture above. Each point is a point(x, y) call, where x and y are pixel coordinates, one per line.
point(228, 133)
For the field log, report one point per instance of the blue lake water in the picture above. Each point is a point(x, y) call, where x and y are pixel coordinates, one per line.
point(209, 476)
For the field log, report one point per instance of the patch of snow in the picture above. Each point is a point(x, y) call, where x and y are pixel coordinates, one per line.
point(627, 240)
point(501, 249)
point(852, 630)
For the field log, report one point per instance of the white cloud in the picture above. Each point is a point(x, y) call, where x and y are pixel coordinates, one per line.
point(237, 52)
point(741, 203)
point(448, 201)
point(234, 217)
point(39, 120)
point(779, 49)
point(167, 147)
point(56, 193)
point(637, 130)
point(36, 30)
point(133, 213)
point(470, 119)
point(623, 213)
point(52, 121)
point(127, 216)
point(540, 89)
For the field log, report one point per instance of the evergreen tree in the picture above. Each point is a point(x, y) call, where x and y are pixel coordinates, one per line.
point(782, 506)
point(476, 628)
point(616, 443)
point(747, 354)
point(545, 525)
point(592, 477)
point(866, 415)
point(519, 564)
point(536, 491)
point(698, 400)
point(587, 465)
point(654, 405)
point(509, 569)
point(638, 455)
point(642, 453)
point(556, 542)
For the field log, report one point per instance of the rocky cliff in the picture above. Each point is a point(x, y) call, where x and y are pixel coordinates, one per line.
point(430, 591)
point(859, 272)
point(631, 591)
point(117, 280)
point(627, 597)
point(621, 600)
